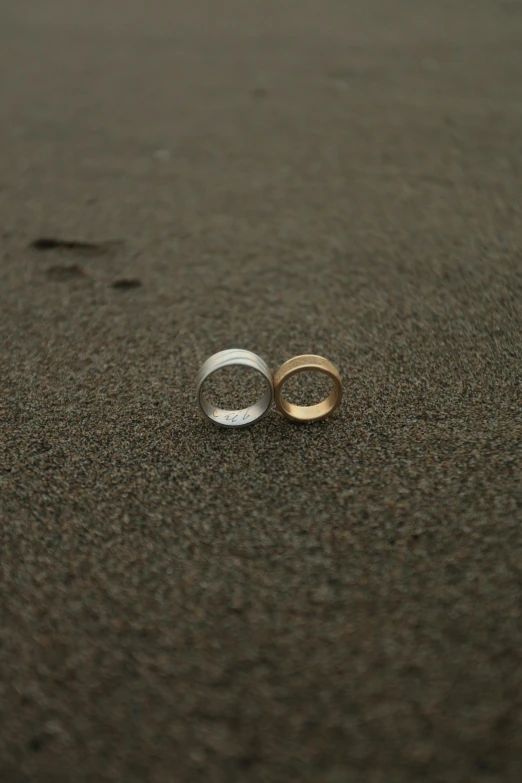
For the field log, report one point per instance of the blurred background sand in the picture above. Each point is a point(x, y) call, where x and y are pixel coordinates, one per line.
point(339, 602)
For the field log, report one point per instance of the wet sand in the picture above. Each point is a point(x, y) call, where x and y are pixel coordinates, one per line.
point(319, 604)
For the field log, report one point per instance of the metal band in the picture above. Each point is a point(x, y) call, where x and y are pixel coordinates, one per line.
point(307, 413)
point(231, 358)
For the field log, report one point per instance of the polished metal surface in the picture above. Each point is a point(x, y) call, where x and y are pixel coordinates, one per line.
point(231, 358)
point(307, 413)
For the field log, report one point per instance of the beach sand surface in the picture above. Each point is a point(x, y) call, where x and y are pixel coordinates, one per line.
point(282, 604)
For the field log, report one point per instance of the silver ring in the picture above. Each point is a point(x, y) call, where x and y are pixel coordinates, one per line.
point(231, 358)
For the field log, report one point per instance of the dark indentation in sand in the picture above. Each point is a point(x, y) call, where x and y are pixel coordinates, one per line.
point(259, 92)
point(44, 244)
point(413, 541)
point(41, 446)
point(64, 272)
point(247, 762)
point(36, 743)
point(125, 284)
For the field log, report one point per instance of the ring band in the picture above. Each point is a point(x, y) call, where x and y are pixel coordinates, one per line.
point(234, 357)
point(307, 413)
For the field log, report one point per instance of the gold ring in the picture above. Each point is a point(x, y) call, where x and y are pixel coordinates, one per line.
point(307, 413)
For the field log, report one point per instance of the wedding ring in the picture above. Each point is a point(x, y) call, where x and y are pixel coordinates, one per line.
point(234, 357)
point(307, 413)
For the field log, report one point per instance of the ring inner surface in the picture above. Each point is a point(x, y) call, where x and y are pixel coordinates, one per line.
point(309, 412)
point(238, 417)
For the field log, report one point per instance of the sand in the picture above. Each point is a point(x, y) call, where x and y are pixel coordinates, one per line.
point(332, 603)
